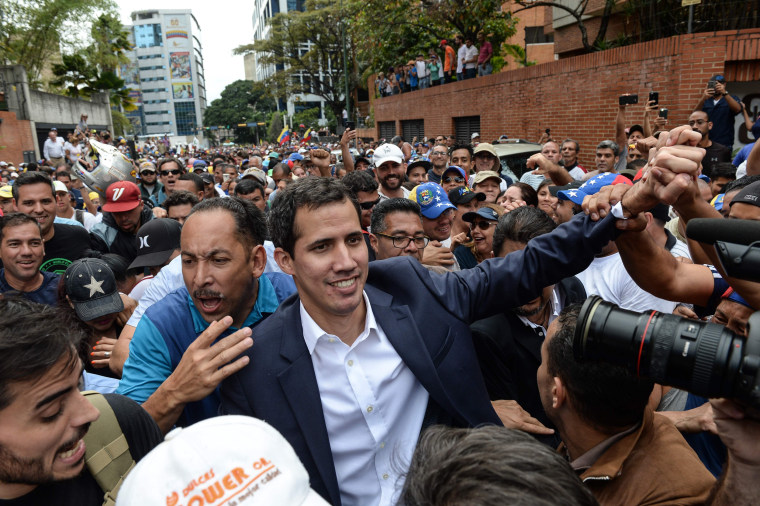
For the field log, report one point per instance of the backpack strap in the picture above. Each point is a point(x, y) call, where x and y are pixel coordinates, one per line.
point(107, 451)
point(79, 215)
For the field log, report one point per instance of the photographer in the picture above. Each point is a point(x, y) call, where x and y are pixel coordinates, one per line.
point(722, 108)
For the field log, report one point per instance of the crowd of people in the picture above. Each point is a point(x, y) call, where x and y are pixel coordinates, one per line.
point(466, 62)
point(392, 325)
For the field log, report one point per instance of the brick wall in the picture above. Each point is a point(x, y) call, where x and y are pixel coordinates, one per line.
point(578, 96)
point(15, 138)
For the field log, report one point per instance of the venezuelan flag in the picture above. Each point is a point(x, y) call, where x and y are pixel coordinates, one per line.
point(284, 136)
point(307, 136)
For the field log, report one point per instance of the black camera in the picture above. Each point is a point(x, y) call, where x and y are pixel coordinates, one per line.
point(704, 358)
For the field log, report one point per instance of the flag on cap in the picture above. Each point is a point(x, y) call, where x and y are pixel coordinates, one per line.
point(592, 186)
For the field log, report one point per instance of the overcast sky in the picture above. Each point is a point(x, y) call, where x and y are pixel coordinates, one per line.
point(225, 24)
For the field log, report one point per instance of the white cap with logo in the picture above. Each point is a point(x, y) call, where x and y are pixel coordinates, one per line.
point(222, 458)
point(388, 152)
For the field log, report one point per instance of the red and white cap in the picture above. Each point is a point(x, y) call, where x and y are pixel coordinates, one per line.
point(122, 196)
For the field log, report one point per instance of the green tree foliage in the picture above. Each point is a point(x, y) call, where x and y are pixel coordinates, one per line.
point(275, 127)
point(93, 69)
point(307, 47)
point(391, 32)
point(241, 102)
point(121, 124)
point(34, 32)
point(309, 118)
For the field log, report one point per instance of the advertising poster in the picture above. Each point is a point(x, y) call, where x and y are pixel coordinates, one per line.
point(182, 90)
point(180, 65)
point(129, 73)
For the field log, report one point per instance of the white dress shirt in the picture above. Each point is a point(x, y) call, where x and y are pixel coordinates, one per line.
point(373, 408)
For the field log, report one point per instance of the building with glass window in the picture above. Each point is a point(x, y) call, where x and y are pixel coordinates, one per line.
point(257, 71)
point(165, 73)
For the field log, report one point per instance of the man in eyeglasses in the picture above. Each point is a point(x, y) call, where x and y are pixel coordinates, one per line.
point(169, 170)
point(439, 157)
point(715, 152)
point(149, 186)
point(397, 230)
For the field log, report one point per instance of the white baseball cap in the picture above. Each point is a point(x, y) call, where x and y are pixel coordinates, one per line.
point(224, 457)
point(388, 152)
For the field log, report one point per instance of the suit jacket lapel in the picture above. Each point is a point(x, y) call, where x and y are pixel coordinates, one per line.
point(522, 334)
point(399, 327)
point(299, 384)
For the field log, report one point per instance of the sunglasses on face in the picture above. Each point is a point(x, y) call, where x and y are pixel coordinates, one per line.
point(366, 206)
point(173, 172)
point(482, 225)
point(456, 179)
point(147, 172)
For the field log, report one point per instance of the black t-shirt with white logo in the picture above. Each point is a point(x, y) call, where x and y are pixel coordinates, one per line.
point(69, 243)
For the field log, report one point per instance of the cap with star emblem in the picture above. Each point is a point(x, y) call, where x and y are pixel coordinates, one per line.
point(592, 186)
point(432, 200)
point(91, 287)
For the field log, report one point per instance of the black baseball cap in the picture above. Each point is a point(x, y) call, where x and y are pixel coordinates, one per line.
point(569, 186)
point(156, 241)
point(463, 195)
point(91, 288)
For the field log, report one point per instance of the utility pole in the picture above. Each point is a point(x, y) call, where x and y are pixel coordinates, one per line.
point(345, 58)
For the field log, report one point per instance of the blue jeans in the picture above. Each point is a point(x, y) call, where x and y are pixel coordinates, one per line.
point(424, 82)
point(485, 70)
point(470, 73)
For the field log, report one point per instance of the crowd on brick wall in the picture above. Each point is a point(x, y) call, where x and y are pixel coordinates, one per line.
point(404, 321)
point(466, 62)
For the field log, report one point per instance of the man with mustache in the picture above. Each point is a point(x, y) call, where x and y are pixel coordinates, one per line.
point(182, 346)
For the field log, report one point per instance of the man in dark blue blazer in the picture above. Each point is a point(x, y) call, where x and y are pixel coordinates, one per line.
point(365, 356)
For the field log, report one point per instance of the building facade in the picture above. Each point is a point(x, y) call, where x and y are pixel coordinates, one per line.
point(255, 70)
point(165, 73)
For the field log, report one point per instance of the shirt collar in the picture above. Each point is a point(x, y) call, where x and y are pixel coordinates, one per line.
point(556, 308)
point(312, 332)
point(266, 303)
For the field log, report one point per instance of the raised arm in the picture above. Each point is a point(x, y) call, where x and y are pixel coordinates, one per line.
point(345, 140)
point(655, 270)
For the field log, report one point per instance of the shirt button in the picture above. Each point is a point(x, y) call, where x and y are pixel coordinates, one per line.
point(369, 409)
point(350, 363)
point(332, 340)
point(385, 476)
point(382, 444)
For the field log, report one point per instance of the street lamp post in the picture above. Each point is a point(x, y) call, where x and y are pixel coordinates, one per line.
point(345, 59)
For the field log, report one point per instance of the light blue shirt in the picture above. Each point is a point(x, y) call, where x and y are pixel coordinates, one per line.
point(67, 221)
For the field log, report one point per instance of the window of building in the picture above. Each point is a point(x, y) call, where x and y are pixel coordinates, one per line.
point(148, 35)
point(464, 127)
point(411, 128)
point(185, 114)
point(387, 129)
point(536, 35)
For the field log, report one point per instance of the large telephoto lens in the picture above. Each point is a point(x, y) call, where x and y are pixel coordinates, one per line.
point(701, 357)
